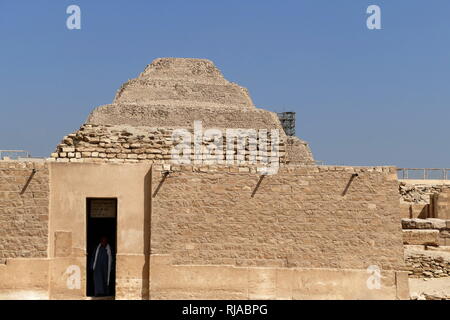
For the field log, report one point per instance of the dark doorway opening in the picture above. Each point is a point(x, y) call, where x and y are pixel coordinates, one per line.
point(101, 221)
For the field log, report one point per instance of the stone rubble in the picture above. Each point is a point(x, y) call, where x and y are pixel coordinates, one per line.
point(420, 194)
point(426, 263)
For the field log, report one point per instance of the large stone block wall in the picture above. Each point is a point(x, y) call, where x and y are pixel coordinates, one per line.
point(24, 202)
point(307, 217)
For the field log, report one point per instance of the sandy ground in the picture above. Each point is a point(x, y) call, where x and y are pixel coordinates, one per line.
point(433, 288)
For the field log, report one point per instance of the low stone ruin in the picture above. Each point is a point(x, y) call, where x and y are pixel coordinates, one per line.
point(427, 263)
point(419, 194)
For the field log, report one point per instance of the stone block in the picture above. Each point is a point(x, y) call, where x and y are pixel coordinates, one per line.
point(421, 237)
point(63, 244)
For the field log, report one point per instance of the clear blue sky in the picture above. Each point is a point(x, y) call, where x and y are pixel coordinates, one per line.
point(362, 97)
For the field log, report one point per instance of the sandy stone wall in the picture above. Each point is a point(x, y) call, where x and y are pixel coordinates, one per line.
point(24, 201)
point(313, 217)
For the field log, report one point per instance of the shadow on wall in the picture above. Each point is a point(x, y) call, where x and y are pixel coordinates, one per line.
point(349, 183)
point(425, 212)
point(165, 174)
point(147, 217)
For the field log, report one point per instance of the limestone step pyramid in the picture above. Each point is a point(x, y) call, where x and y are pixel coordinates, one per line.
point(170, 93)
point(173, 92)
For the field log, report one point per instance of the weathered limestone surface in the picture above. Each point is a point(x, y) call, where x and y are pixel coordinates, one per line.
point(24, 201)
point(297, 218)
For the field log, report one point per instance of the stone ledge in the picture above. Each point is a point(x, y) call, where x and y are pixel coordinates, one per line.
point(421, 237)
point(430, 223)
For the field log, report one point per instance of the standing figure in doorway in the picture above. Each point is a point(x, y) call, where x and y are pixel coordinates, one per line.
point(101, 266)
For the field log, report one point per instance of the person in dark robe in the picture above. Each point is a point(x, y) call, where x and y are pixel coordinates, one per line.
point(101, 266)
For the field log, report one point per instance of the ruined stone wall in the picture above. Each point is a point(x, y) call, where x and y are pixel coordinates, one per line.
point(298, 152)
point(24, 201)
point(419, 193)
point(313, 217)
point(120, 144)
point(424, 200)
point(427, 263)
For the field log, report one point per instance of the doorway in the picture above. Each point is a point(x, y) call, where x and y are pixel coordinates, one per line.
point(101, 221)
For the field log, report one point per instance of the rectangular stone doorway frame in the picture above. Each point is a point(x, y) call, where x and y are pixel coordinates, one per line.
point(101, 220)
